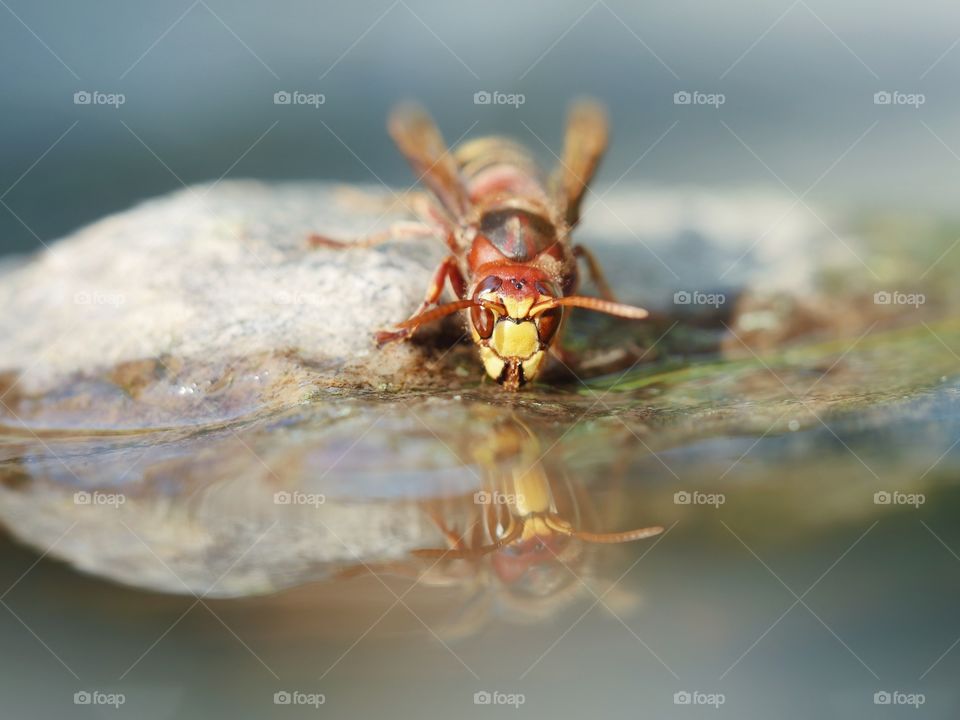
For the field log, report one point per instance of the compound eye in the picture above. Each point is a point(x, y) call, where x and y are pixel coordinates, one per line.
point(548, 324)
point(489, 284)
point(483, 320)
point(549, 321)
point(546, 288)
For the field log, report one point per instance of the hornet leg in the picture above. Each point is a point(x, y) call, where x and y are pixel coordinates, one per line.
point(596, 273)
point(448, 269)
point(404, 230)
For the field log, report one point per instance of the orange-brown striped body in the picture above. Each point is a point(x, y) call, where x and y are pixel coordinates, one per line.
point(513, 216)
point(517, 243)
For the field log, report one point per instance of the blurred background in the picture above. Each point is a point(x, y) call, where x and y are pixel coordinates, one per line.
point(198, 80)
point(804, 596)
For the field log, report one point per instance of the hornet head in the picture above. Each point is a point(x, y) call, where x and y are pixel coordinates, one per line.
point(514, 312)
point(514, 322)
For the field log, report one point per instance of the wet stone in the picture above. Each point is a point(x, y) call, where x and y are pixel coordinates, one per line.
point(192, 397)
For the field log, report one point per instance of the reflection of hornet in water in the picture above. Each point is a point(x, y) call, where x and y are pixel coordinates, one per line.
point(526, 540)
point(522, 512)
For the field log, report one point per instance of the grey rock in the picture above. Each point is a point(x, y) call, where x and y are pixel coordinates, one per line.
point(213, 282)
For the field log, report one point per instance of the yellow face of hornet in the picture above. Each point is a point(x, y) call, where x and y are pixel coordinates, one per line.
point(513, 336)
